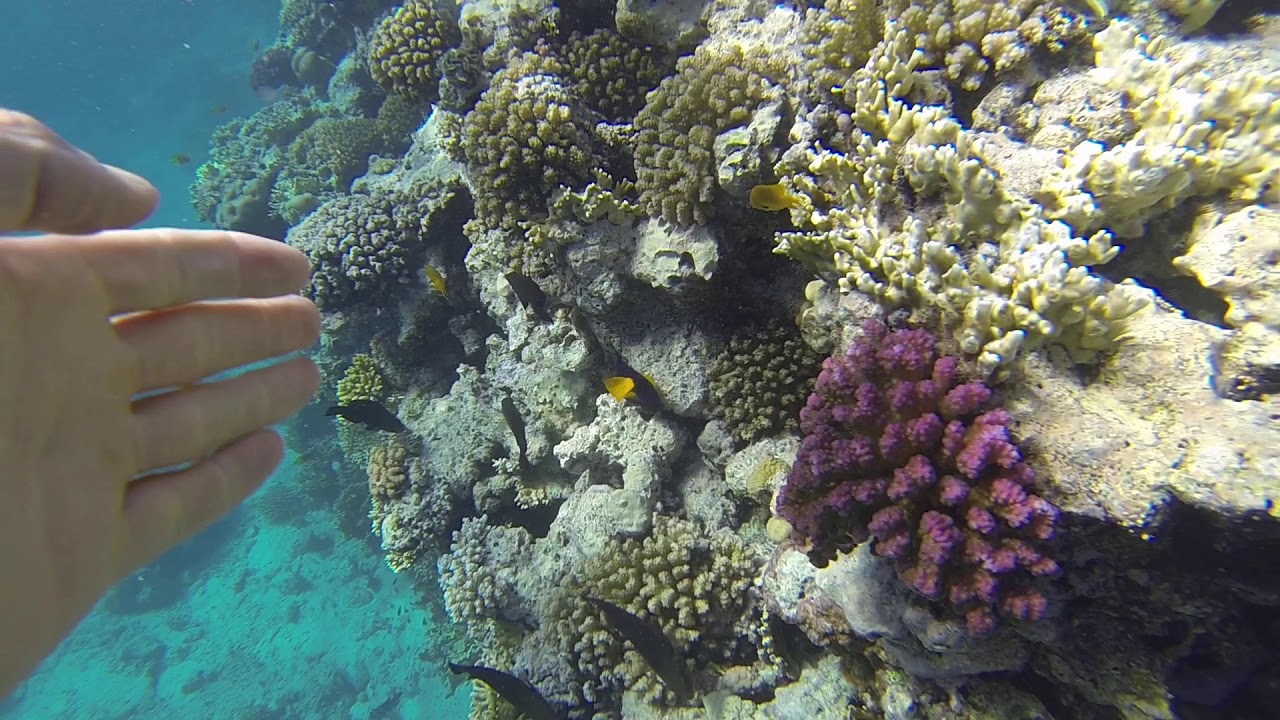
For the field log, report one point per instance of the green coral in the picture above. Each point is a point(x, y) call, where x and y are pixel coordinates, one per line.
point(407, 46)
point(986, 260)
point(528, 135)
point(760, 380)
point(361, 381)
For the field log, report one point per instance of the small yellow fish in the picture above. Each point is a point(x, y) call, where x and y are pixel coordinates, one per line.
point(772, 198)
point(179, 159)
point(437, 282)
point(219, 109)
point(631, 385)
point(620, 387)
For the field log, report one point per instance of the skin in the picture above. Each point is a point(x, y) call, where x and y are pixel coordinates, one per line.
point(88, 321)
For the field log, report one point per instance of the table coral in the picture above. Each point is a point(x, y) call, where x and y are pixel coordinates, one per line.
point(897, 450)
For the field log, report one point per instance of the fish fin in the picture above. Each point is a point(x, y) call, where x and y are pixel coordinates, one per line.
point(333, 410)
point(619, 387)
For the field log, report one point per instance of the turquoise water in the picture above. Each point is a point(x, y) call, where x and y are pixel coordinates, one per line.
point(255, 618)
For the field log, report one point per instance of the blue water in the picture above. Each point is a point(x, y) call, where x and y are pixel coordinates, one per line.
point(252, 619)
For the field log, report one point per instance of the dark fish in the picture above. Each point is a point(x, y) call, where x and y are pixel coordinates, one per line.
point(369, 413)
point(529, 295)
point(178, 159)
point(524, 697)
point(582, 326)
point(512, 415)
point(652, 644)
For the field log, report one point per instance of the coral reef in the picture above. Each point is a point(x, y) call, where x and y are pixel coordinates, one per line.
point(898, 451)
point(964, 168)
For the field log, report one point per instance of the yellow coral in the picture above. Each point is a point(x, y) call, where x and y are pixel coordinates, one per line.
point(361, 381)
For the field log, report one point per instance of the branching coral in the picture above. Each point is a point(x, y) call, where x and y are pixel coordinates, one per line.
point(699, 590)
point(1200, 131)
point(362, 247)
point(986, 258)
point(760, 381)
point(407, 46)
point(361, 381)
point(896, 450)
point(611, 73)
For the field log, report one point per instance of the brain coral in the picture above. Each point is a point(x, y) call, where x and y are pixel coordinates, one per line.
point(896, 451)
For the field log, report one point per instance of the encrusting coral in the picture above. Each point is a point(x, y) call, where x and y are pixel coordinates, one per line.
point(896, 450)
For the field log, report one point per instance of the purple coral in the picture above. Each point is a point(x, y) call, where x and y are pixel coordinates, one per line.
point(897, 452)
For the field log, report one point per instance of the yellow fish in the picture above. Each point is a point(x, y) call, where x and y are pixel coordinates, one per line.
point(631, 385)
point(772, 198)
point(437, 282)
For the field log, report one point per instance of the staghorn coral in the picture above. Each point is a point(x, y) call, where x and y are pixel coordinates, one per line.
point(897, 451)
point(529, 134)
point(724, 86)
point(1206, 119)
point(986, 259)
point(760, 380)
point(408, 45)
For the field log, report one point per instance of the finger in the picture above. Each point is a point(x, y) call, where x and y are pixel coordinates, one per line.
point(186, 344)
point(154, 269)
point(47, 184)
point(164, 510)
point(188, 424)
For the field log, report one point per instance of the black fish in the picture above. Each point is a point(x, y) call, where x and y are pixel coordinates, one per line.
point(582, 326)
point(523, 697)
point(512, 415)
point(652, 644)
point(369, 413)
point(529, 295)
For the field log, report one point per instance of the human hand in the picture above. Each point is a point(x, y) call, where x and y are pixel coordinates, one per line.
point(88, 323)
